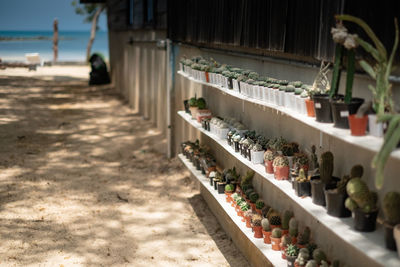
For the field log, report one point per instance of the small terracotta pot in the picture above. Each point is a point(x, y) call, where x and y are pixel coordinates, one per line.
point(238, 212)
point(275, 226)
point(294, 240)
point(258, 232)
point(283, 250)
point(301, 246)
point(310, 108)
point(253, 206)
point(268, 166)
point(207, 77)
point(281, 172)
point(259, 211)
point(285, 232)
point(228, 196)
point(193, 111)
point(358, 126)
point(275, 243)
point(267, 237)
point(247, 218)
point(233, 203)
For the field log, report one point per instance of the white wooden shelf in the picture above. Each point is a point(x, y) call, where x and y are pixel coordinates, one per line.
point(368, 142)
point(371, 244)
point(273, 256)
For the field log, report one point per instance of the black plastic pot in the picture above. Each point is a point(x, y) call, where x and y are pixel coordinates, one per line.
point(237, 148)
point(186, 105)
point(221, 188)
point(290, 260)
point(389, 238)
point(302, 189)
point(215, 184)
point(211, 181)
point(230, 83)
point(322, 108)
point(341, 111)
point(365, 222)
point(335, 204)
point(318, 187)
point(249, 154)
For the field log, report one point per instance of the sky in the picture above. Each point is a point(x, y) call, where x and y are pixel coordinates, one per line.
point(38, 15)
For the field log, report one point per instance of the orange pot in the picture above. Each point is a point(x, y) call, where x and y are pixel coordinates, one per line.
point(294, 240)
point(258, 232)
point(301, 246)
point(275, 226)
point(281, 172)
point(248, 225)
point(228, 196)
point(283, 250)
point(310, 108)
point(285, 232)
point(267, 237)
point(358, 125)
point(207, 77)
point(268, 166)
point(253, 206)
point(259, 211)
point(275, 243)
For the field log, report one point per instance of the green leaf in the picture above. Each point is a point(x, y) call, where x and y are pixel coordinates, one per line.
point(368, 69)
point(369, 48)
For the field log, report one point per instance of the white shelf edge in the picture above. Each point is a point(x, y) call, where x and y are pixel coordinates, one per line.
point(275, 257)
point(368, 142)
point(372, 242)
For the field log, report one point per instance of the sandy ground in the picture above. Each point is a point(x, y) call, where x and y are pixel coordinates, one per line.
point(82, 183)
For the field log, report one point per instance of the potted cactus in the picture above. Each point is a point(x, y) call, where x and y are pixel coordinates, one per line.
point(243, 208)
point(362, 202)
point(304, 238)
point(274, 219)
point(302, 185)
point(202, 111)
point(247, 216)
point(253, 197)
point(287, 215)
point(259, 206)
point(257, 154)
point(193, 107)
point(292, 251)
point(266, 230)
point(257, 227)
point(302, 258)
point(269, 157)
point(286, 240)
point(281, 168)
point(293, 229)
point(319, 256)
point(276, 236)
point(391, 213)
point(324, 180)
point(335, 198)
point(288, 150)
point(229, 189)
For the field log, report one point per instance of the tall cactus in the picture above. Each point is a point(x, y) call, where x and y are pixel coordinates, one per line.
point(391, 208)
point(326, 167)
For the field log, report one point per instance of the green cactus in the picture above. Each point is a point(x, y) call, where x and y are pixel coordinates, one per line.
point(275, 220)
point(311, 247)
point(326, 167)
point(265, 225)
point(319, 255)
point(292, 250)
point(270, 155)
point(293, 227)
point(391, 208)
point(276, 233)
point(304, 237)
point(286, 240)
point(359, 193)
point(311, 263)
point(280, 161)
point(229, 188)
point(287, 215)
point(245, 207)
point(246, 186)
point(248, 192)
point(350, 204)
point(248, 178)
point(356, 171)
point(260, 204)
point(341, 185)
point(254, 197)
point(303, 257)
point(302, 176)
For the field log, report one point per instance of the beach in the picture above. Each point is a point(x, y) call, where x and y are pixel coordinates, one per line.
point(84, 181)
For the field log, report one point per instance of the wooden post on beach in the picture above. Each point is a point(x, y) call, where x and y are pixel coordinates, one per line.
point(55, 40)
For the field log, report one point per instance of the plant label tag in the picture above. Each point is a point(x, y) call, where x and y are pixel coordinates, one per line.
point(317, 105)
point(344, 113)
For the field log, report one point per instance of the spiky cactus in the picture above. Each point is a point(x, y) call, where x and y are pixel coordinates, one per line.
point(260, 204)
point(256, 219)
point(319, 255)
point(286, 240)
point(311, 263)
point(292, 250)
point(280, 161)
point(293, 227)
point(357, 171)
point(275, 220)
point(248, 178)
point(304, 237)
point(248, 192)
point(326, 167)
point(391, 208)
point(276, 233)
point(287, 215)
point(265, 225)
point(302, 176)
point(303, 257)
point(253, 197)
point(229, 188)
point(360, 196)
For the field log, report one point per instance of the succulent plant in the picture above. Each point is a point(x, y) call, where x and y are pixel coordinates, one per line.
point(303, 257)
point(276, 233)
point(265, 225)
point(270, 155)
point(360, 196)
point(248, 213)
point(319, 255)
point(304, 237)
point(302, 176)
point(326, 167)
point(245, 206)
point(265, 210)
point(193, 102)
point(235, 196)
point(286, 240)
point(254, 197)
point(288, 150)
point(229, 188)
point(357, 171)
point(301, 159)
point(275, 219)
point(260, 204)
point(256, 219)
point(341, 185)
point(293, 227)
point(282, 88)
point(391, 208)
point(289, 89)
point(280, 161)
point(314, 158)
point(248, 192)
point(247, 179)
point(311, 263)
point(292, 250)
point(287, 215)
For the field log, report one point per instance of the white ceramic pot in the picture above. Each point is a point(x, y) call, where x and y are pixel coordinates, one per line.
point(235, 85)
point(223, 133)
point(256, 92)
point(276, 96)
point(287, 100)
point(396, 233)
point(375, 128)
point(257, 157)
point(281, 98)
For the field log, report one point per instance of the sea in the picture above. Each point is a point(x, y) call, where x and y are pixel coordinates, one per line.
point(71, 45)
